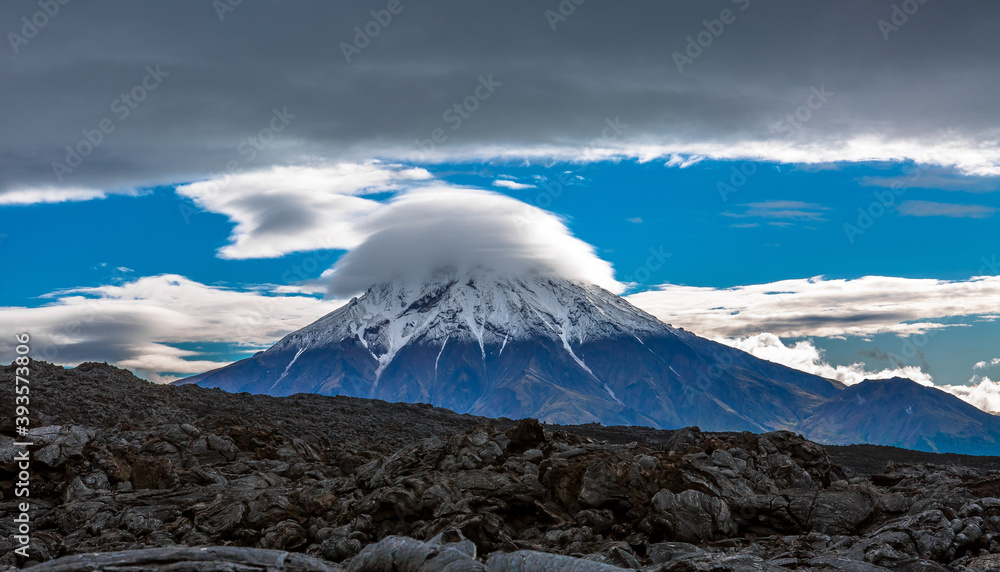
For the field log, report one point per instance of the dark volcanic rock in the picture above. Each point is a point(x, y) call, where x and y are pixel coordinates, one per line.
point(194, 559)
point(186, 478)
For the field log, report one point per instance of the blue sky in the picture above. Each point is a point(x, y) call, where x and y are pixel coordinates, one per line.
point(713, 239)
point(77, 244)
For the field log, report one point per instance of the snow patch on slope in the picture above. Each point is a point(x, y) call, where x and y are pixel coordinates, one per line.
point(438, 358)
point(287, 368)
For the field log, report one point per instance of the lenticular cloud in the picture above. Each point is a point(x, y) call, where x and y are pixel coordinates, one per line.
point(428, 224)
point(444, 226)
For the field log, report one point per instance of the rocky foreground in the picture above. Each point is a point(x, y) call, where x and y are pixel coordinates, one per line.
point(186, 478)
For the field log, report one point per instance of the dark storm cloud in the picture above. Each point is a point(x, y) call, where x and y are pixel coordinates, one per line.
point(211, 86)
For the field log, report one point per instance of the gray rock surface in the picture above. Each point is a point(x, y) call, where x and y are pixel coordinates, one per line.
point(178, 558)
point(314, 483)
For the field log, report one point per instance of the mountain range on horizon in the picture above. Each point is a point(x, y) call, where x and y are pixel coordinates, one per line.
point(498, 345)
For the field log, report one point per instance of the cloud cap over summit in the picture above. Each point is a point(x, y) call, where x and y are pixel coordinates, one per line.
point(430, 228)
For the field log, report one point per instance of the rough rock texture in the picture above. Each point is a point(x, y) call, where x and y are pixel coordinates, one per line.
point(185, 478)
point(212, 558)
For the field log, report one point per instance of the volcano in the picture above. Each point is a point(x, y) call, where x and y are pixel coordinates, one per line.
point(496, 345)
point(485, 343)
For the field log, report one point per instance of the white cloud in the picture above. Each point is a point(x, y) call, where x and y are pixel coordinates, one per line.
point(805, 356)
point(134, 324)
point(930, 208)
point(295, 209)
point(965, 155)
point(508, 184)
point(925, 178)
point(984, 364)
point(790, 210)
point(682, 162)
point(985, 395)
point(444, 225)
point(428, 224)
point(820, 307)
point(40, 195)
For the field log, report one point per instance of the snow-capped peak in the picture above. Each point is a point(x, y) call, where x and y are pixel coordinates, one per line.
point(480, 305)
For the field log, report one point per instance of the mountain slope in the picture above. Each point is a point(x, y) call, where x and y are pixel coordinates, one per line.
point(489, 344)
point(906, 414)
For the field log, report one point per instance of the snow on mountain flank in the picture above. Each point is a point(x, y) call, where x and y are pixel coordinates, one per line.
point(287, 368)
point(480, 306)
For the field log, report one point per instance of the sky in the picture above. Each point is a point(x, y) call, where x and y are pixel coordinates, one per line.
point(816, 183)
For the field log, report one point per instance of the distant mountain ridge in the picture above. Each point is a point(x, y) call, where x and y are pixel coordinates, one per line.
point(903, 413)
point(489, 344)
